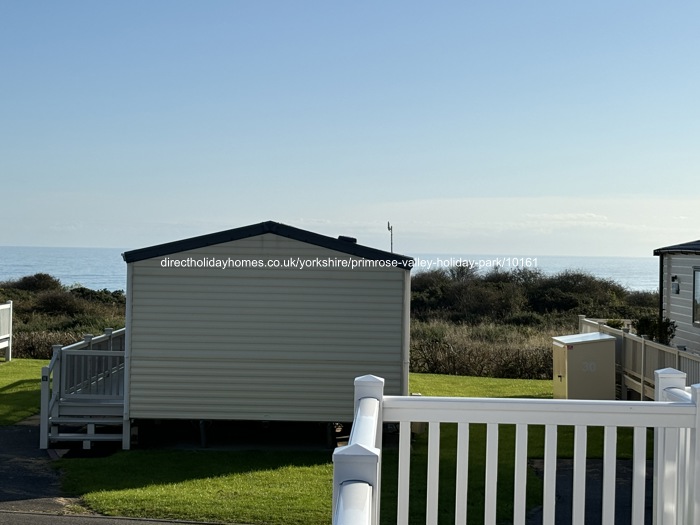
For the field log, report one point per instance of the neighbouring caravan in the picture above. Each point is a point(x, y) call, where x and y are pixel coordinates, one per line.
point(263, 322)
point(679, 291)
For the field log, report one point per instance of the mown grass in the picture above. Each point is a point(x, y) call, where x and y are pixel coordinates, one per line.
point(461, 386)
point(20, 382)
point(253, 487)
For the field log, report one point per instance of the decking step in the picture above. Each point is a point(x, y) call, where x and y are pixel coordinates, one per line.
point(91, 407)
point(91, 402)
point(85, 437)
point(95, 420)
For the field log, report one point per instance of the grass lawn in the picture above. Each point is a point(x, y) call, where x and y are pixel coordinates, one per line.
point(256, 487)
point(20, 389)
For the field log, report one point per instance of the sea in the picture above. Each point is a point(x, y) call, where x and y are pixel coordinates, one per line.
point(104, 268)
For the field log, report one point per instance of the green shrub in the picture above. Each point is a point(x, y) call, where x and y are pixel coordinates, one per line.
point(615, 323)
point(99, 296)
point(60, 302)
point(35, 283)
point(463, 295)
point(661, 331)
point(643, 299)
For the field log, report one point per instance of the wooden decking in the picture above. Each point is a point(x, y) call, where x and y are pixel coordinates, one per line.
point(82, 395)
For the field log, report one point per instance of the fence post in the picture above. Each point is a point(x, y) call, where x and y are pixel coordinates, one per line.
point(580, 323)
point(371, 386)
point(8, 351)
point(642, 371)
point(664, 379)
point(693, 474)
point(108, 333)
point(621, 364)
point(44, 408)
point(361, 461)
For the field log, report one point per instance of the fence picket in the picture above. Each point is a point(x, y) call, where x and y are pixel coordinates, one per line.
point(433, 472)
point(669, 482)
point(404, 472)
point(639, 473)
point(579, 493)
point(609, 473)
point(462, 480)
point(520, 482)
point(490, 497)
point(550, 474)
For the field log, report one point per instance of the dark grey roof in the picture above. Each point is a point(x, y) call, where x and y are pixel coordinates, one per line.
point(342, 244)
point(688, 247)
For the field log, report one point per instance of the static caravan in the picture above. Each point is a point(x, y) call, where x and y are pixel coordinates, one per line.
point(263, 322)
point(679, 290)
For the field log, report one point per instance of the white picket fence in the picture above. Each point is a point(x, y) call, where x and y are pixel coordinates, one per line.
point(6, 330)
point(673, 416)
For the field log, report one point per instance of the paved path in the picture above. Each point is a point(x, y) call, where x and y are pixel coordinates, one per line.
point(594, 492)
point(20, 518)
point(28, 481)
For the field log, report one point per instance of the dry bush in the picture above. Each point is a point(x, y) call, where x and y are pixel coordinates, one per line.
point(485, 349)
point(37, 345)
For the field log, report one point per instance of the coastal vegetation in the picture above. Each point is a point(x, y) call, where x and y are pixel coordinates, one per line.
point(464, 322)
point(500, 324)
point(46, 313)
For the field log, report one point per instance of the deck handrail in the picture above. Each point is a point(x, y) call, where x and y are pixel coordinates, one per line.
point(674, 416)
point(91, 369)
point(357, 466)
point(637, 357)
point(6, 330)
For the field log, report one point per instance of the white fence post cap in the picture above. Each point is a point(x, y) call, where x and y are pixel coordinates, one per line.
point(368, 379)
point(356, 450)
point(668, 373)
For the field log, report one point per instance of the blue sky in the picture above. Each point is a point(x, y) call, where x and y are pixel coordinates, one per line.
point(506, 127)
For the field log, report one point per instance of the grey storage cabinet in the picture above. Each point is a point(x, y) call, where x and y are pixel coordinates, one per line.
point(584, 366)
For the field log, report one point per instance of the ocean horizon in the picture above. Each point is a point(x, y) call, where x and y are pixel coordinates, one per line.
point(104, 268)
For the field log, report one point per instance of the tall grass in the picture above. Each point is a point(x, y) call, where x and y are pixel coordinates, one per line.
point(483, 349)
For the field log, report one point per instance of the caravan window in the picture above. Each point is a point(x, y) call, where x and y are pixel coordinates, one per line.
point(696, 296)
